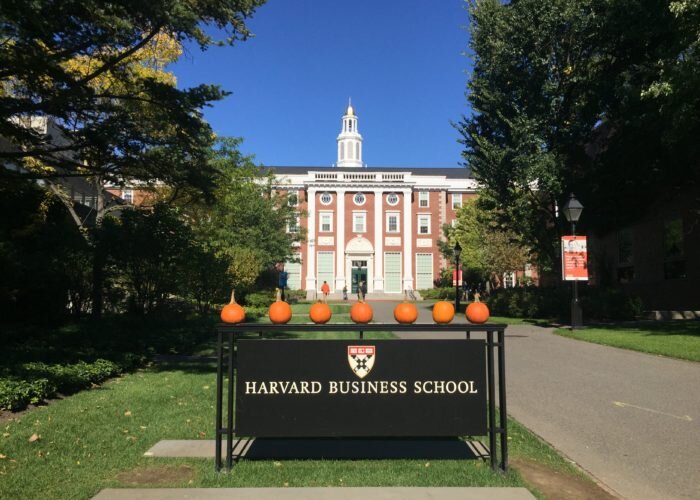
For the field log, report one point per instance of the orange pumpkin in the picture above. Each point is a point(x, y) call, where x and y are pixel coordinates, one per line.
point(477, 311)
point(406, 313)
point(361, 311)
point(232, 312)
point(320, 313)
point(443, 312)
point(280, 312)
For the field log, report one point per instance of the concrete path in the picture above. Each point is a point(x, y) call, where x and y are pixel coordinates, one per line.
point(630, 419)
point(316, 494)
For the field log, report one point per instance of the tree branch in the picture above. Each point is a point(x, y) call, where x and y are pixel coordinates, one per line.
point(116, 60)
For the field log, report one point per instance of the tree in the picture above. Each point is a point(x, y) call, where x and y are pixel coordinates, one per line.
point(597, 97)
point(488, 251)
point(82, 65)
point(246, 224)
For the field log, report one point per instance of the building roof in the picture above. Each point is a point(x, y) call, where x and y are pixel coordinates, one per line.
point(450, 173)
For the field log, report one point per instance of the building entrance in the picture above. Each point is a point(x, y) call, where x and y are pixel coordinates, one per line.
point(358, 274)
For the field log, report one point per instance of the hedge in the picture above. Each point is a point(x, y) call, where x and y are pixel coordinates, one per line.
point(35, 381)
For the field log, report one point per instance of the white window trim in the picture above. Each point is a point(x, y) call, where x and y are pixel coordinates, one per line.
point(321, 213)
point(427, 199)
point(320, 198)
point(418, 224)
point(456, 197)
point(364, 196)
point(363, 213)
point(398, 222)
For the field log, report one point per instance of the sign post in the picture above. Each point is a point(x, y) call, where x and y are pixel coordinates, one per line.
point(287, 388)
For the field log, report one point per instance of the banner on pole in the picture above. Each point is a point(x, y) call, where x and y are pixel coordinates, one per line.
point(454, 278)
point(574, 258)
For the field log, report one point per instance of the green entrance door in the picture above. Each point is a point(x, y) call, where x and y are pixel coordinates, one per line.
point(358, 274)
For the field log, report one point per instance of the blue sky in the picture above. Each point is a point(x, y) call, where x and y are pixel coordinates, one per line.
point(401, 62)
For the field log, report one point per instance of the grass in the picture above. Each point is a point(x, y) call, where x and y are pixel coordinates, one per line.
point(97, 438)
point(675, 339)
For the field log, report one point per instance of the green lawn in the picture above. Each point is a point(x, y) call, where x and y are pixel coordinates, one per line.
point(676, 339)
point(97, 439)
point(74, 447)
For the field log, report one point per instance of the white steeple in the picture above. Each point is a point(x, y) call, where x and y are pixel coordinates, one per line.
point(349, 140)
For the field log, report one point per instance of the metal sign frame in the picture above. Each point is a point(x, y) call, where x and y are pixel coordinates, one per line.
point(226, 364)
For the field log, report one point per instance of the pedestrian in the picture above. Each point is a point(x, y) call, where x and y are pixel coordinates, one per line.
point(345, 292)
point(364, 289)
point(326, 290)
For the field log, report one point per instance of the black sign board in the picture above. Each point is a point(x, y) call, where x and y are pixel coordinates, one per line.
point(360, 388)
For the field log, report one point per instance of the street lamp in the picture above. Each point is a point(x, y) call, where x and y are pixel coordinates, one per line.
point(572, 211)
point(458, 252)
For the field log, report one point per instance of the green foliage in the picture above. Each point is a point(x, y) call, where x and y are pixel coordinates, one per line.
point(438, 293)
point(45, 262)
point(246, 224)
point(598, 98)
point(75, 65)
point(598, 304)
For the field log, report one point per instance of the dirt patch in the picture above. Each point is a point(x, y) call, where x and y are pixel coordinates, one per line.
point(556, 485)
point(157, 476)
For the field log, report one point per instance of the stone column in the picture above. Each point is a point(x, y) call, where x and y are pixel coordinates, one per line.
point(407, 241)
point(378, 241)
point(311, 245)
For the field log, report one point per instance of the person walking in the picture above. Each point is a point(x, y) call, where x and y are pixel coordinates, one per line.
point(326, 290)
point(345, 292)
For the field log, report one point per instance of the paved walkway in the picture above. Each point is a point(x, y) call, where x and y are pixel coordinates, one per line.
point(316, 494)
point(630, 419)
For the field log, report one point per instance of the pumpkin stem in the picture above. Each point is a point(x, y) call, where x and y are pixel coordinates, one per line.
point(360, 295)
point(477, 296)
point(278, 293)
point(233, 298)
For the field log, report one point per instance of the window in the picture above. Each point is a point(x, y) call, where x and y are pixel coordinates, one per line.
point(392, 199)
point(392, 222)
point(293, 224)
point(326, 269)
point(292, 199)
point(326, 198)
point(359, 222)
point(423, 201)
point(293, 269)
point(674, 254)
point(128, 195)
point(392, 272)
point(326, 222)
point(359, 199)
point(424, 271)
point(456, 201)
point(424, 224)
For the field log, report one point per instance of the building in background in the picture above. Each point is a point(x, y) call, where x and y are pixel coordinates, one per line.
point(374, 225)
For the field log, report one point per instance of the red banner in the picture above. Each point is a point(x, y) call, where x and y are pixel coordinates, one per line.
point(574, 258)
point(454, 278)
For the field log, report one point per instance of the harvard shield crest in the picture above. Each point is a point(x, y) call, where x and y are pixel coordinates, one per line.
point(361, 359)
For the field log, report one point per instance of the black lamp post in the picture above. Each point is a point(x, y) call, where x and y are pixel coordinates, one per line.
point(572, 211)
point(458, 252)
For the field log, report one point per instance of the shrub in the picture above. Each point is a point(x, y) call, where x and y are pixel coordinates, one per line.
point(17, 394)
point(444, 293)
point(555, 303)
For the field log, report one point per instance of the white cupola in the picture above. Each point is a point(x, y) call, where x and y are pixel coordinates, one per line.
point(349, 140)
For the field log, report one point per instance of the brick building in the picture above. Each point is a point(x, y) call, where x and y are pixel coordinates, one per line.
point(377, 225)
